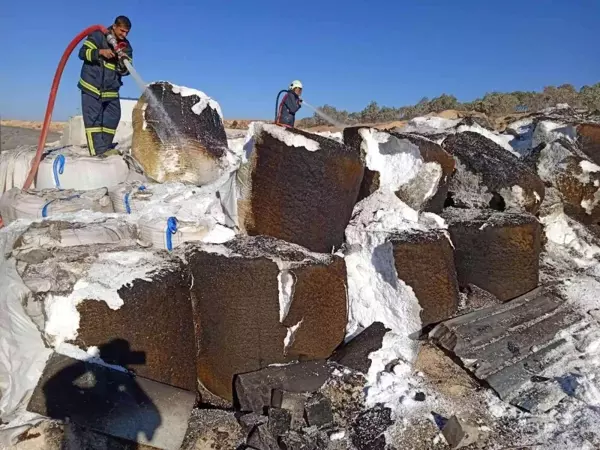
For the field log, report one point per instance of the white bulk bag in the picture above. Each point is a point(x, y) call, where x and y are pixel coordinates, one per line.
point(74, 168)
point(17, 204)
point(169, 233)
point(14, 167)
point(130, 197)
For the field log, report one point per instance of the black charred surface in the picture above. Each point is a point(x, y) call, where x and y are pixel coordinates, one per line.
point(498, 168)
point(206, 128)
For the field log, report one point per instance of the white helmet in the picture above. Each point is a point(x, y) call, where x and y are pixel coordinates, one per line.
point(296, 84)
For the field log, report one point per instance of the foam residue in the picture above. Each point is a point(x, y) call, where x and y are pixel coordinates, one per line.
point(289, 138)
point(569, 240)
point(285, 282)
point(397, 160)
point(290, 336)
point(103, 279)
point(377, 295)
point(429, 125)
point(204, 100)
point(551, 160)
point(548, 131)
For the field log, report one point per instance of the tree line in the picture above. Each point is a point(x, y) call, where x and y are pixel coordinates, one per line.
point(493, 104)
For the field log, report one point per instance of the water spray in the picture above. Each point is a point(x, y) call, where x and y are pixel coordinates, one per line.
point(327, 117)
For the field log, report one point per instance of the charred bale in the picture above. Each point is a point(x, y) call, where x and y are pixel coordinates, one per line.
point(178, 135)
point(498, 252)
point(260, 301)
point(425, 261)
point(425, 188)
point(301, 187)
point(488, 176)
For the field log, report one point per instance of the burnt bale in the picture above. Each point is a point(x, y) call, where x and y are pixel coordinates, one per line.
point(498, 252)
point(178, 135)
point(301, 187)
point(260, 301)
point(488, 176)
point(588, 138)
point(563, 165)
point(424, 260)
point(132, 304)
point(156, 319)
point(427, 166)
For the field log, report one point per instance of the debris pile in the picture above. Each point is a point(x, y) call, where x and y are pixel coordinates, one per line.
point(426, 286)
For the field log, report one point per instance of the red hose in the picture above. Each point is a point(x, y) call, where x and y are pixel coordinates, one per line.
point(50, 108)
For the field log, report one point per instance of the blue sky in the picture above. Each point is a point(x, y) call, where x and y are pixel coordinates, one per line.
point(242, 52)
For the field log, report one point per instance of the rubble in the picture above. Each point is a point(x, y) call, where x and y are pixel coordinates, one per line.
point(474, 298)
point(389, 154)
point(213, 429)
point(498, 252)
point(459, 434)
point(261, 301)
point(293, 403)
point(301, 187)
point(355, 353)
point(489, 176)
point(253, 390)
point(113, 402)
point(506, 345)
point(318, 411)
point(186, 142)
point(368, 431)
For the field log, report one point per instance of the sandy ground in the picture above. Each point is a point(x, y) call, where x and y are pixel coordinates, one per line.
point(12, 137)
point(56, 127)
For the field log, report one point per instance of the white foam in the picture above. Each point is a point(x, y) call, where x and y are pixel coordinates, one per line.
point(377, 295)
point(104, 278)
point(285, 282)
point(547, 131)
point(397, 160)
point(287, 137)
point(204, 100)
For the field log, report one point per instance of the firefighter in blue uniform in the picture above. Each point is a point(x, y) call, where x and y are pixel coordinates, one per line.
point(100, 82)
point(290, 104)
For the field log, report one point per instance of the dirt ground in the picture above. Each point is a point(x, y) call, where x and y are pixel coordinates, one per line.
point(12, 137)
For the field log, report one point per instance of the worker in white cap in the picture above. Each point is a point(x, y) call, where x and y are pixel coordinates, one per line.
point(290, 104)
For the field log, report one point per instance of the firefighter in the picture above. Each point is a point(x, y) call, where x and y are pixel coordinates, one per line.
point(290, 105)
point(100, 82)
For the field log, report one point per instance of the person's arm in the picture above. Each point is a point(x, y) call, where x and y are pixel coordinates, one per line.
point(89, 50)
point(292, 103)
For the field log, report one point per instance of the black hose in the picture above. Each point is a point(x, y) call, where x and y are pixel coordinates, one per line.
point(277, 103)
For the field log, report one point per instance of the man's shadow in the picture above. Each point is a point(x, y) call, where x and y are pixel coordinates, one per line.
point(90, 396)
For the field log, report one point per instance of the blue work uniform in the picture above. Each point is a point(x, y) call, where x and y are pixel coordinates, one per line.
point(289, 106)
point(99, 83)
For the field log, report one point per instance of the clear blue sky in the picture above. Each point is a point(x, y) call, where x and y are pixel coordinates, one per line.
point(241, 52)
